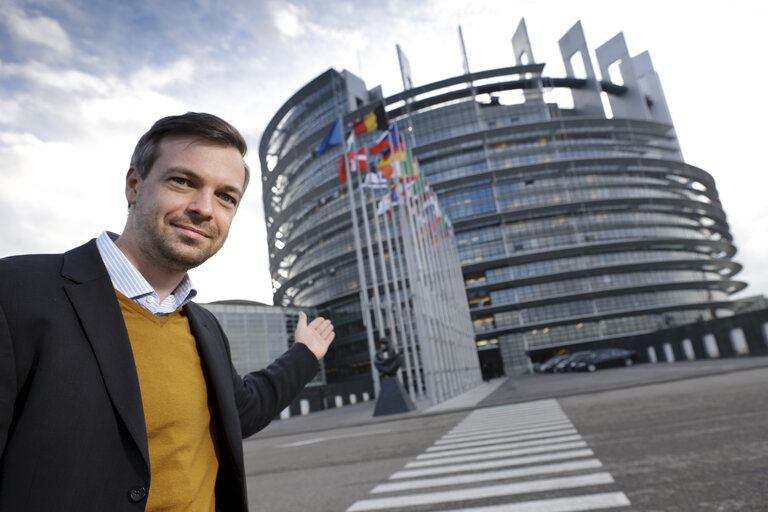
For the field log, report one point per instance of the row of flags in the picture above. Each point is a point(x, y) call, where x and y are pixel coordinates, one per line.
point(384, 160)
point(375, 119)
point(413, 241)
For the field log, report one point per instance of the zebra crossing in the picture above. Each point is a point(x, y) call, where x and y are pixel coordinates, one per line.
point(497, 460)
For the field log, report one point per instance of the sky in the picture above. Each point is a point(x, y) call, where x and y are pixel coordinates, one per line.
point(81, 80)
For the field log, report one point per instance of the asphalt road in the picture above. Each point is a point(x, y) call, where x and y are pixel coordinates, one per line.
point(671, 437)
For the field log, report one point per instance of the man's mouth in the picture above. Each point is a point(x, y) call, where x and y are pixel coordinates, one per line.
point(192, 232)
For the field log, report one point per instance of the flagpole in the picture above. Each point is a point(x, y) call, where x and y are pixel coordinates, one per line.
point(425, 245)
point(440, 282)
point(419, 289)
point(417, 361)
point(422, 355)
point(423, 310)
point(395, 336)
point(430, 303)
point(369, 248)
point(366, 313)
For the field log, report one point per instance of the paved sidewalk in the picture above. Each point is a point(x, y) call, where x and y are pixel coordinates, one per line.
point(521, 388)
point(467, 399)
point(362, 413)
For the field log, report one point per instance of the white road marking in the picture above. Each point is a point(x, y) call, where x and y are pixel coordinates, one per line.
point(567, 504)
point(517, 420)
point(491, 464)
point(488, 433)
point(482, 442)
point(487, 476)
point(330, 438)
point(498, 454)
point(474, 493)
point(499, 446)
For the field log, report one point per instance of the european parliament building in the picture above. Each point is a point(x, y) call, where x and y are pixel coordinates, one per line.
point(577, 220)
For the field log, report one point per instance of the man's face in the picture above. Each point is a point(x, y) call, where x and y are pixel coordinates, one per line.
point(182, 210)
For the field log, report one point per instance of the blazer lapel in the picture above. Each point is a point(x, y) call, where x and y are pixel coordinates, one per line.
point(93, 299)
point(218, 369)
point(217, 365)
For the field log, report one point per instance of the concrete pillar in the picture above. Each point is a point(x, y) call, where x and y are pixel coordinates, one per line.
point(367, 397)
point(352, 399)
point(339, 401)
point(688, 349)
point(285, 413)
point(304, 407)
point(669, 354)
point(710, 345)
point(652, 355)
point(739, 342)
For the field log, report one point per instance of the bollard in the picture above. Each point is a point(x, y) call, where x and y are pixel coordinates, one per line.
point(710, 344)
point(304, 407)
point(367, 397)
point(688, 349)
point(285, 413)
point(765, 333)
point(352, 399)
point(652, 355)
point(669, 354)
point(339, 401)
point(739, 342)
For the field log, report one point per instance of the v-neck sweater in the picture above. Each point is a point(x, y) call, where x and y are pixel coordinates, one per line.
point(182, 456)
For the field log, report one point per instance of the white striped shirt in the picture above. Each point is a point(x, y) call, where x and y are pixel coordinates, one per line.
point(129, 281)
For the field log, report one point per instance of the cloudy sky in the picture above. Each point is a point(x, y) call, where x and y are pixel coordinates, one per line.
point(81, 80)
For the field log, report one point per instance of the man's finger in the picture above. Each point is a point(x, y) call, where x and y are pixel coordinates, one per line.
point(302, 319)
point(316, 322)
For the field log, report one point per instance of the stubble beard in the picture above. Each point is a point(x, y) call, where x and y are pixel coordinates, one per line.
point(163, 245)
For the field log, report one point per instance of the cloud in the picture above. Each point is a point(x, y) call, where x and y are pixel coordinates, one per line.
point(38, 30)
point(54, 77)
point(160, 77)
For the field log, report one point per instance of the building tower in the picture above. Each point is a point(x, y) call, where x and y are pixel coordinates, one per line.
point(578, 222)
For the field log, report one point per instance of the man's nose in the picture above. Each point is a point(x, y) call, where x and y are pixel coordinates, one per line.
point(201, 204)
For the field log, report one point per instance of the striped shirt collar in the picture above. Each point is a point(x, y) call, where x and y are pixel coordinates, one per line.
point(128, 280)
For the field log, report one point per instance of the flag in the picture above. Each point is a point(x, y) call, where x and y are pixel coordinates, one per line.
point(387, 202)
point(395, 138)
point(360, 160)
point(374, 181)
point(342, 174)
point(397, 144)
point(381, 144)
point(356, 162)
point(419, 187)
point(376, 118)
point(384, 205)
point(384, 165)
point(332, 138)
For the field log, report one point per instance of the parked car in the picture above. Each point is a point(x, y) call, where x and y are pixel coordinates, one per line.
point(564, 365)
point(604, 358)
point(576, 358)
point(549, 364)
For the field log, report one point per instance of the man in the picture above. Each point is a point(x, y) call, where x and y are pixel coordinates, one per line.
point(117, 392)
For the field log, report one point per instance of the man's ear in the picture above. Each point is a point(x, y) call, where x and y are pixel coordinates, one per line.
point(132, 186)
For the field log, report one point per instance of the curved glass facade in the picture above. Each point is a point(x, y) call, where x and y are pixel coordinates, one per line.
point(573, 225)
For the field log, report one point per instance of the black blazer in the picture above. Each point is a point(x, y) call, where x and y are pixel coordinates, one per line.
point(72, 431)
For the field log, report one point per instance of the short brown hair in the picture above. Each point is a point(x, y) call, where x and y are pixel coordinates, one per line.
point(195, 124)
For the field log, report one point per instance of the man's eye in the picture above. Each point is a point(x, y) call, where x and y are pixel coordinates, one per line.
point(180, 181)
point(228, 199)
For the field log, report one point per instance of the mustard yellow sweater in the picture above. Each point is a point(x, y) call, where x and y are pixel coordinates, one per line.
point(182, 456)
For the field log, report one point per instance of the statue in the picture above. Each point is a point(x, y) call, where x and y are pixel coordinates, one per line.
point(387, 364)
point(392, 399)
